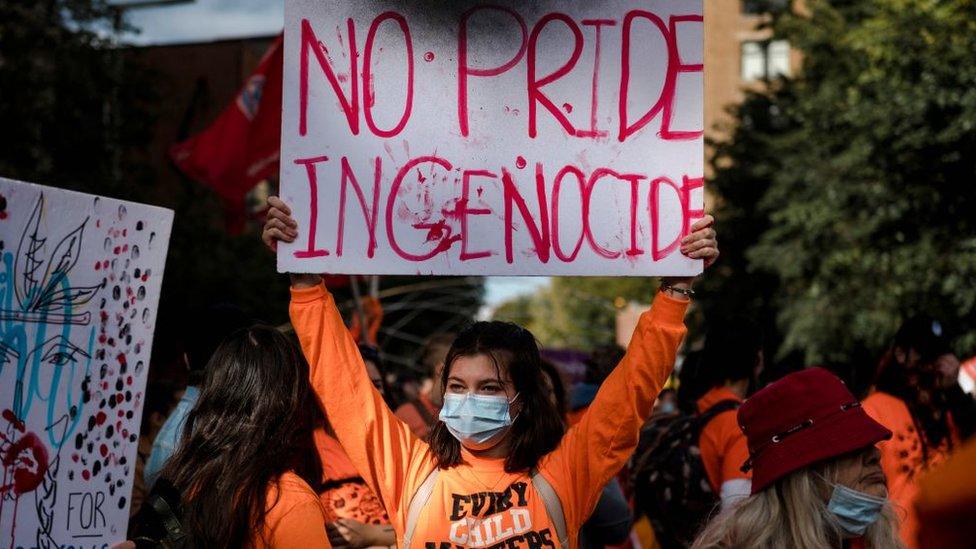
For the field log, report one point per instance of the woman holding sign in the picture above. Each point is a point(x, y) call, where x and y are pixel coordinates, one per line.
point(498, 471)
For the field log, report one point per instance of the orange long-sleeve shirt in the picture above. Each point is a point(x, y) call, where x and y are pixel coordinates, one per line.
point(477, 503)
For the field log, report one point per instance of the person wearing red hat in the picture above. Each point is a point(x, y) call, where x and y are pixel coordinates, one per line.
point(816, 474)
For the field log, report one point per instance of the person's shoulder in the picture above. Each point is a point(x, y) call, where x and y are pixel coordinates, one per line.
point(288, 492)
point(880, 402)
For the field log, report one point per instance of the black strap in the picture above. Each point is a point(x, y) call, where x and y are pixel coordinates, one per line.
point(714, 410)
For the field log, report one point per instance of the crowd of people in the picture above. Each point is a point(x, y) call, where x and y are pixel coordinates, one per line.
point(296, 439)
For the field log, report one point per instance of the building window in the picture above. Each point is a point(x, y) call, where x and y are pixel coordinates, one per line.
point(758, 7)
point(765, 60)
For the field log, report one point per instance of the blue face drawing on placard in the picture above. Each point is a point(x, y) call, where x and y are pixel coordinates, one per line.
point(46, 348)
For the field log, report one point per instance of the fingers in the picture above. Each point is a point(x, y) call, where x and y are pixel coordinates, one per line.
point(282, 227)
point(703, 223)
point(272, 235)
point(697, 245)
point(279, 204)
point(282, 217)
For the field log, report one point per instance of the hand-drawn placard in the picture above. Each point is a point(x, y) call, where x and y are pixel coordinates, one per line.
point(542, 138)
point(79, 283)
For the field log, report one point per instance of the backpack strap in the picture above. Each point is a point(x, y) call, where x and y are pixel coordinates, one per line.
point(554, 508)
point(550, 499)
point(715, 409)
point(417, 505)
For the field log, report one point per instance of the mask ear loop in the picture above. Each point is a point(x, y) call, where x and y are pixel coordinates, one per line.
point(510, 402)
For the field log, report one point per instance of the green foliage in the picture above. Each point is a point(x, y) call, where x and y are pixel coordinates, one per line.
point(576, 313)
point(847, 195)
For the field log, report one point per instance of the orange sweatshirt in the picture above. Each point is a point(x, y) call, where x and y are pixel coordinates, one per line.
point(294, 517)
point(902, 459)
point(478, 504)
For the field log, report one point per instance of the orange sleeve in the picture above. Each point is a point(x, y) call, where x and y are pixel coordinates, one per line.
point(599, 445)
point(736, 451)
point(392, 461)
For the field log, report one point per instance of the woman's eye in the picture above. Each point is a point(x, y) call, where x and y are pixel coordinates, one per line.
point(490, 389)
point(455, 388)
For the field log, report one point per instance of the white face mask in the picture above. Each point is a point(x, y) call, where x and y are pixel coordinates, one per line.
point(476, 420)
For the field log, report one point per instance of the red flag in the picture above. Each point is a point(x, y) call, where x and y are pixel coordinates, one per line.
point(241, 148)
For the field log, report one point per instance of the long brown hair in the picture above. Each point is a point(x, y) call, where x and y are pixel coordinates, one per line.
point(252, 423)
point(538, 428)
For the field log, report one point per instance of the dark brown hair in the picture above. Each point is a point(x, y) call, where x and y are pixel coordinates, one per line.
point(252, 423)
point(538, 428)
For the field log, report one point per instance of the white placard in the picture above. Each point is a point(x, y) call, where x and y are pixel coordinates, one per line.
point(517, 138)
point(79, 284)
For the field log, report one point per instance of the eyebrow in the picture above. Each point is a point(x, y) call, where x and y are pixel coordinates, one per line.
point(481, 383)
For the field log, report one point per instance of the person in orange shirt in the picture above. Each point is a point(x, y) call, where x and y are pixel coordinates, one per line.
point(733, 359)
point(420, 414)
point(244, 471)
point(498, 471)
point(911, 399)
point(946, 502)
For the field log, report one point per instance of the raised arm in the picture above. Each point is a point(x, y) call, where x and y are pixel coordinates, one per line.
point(382, 449)
point(595, 449)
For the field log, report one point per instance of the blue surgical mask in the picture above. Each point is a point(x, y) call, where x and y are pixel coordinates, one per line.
point(476, 419)
point(855, 511)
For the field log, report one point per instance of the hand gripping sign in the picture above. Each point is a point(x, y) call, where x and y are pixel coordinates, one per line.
point(543, 138)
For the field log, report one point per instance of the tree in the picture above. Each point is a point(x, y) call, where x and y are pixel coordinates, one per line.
point(574, 312)
point(853, 184)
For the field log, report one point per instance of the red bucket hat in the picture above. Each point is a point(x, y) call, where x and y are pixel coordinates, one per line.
point(801, 419)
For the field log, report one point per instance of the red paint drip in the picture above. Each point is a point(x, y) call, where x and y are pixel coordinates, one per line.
point(12, 419)
point(520, 162)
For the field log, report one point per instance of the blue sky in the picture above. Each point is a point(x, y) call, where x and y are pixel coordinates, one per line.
point(205, 20)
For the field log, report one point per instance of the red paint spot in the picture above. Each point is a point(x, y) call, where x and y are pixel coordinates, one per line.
point(520, 162)
point(85, 474)
point(104, 385)
point(74, 458)
point(12, 419)
point(125, 433)
point(28, 458)
point(98, 265)
point(100, 417)
point(102, 338)
point(429, 56)
point(121, 414)
point(145, 277)
point(98, 222)
point(121, 358)
point(435, 231)
point(567, 107)
point(128, 380)
point(103, 450)
point(117, 250)
point(421, 177)
point(125, 248)
point(104, 316)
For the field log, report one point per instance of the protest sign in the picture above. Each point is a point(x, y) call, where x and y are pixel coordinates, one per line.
point(79, 285)
point(521, 138)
